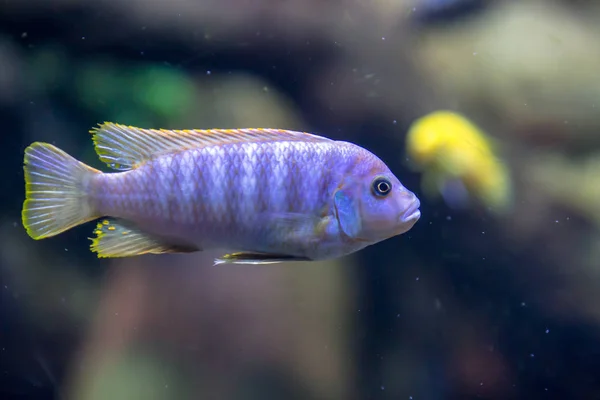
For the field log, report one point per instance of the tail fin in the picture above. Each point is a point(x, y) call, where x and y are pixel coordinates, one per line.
point(56, 196)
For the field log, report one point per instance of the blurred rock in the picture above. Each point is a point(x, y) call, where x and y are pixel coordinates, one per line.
point(575, 184)
point(240, 100)
point(531, 62)
point(224, 322)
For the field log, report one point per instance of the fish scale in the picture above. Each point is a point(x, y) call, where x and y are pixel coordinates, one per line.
point(268, 194)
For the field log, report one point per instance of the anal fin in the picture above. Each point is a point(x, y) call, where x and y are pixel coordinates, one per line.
point(116, 239)
point(256, 258)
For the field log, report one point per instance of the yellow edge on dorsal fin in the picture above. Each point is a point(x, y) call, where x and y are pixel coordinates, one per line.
point(125, 147)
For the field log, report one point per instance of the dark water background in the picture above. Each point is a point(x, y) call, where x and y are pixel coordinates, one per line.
point(465, 305)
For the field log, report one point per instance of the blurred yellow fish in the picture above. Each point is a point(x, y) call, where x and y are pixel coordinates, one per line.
point(458, 161)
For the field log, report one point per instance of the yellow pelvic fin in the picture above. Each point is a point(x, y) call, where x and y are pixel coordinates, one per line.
point(114, 238)
point(126, 147)
point(56, 197)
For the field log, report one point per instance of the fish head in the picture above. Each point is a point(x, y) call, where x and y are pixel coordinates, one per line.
point(435, 133)
point(372, 204)
point(423, 141)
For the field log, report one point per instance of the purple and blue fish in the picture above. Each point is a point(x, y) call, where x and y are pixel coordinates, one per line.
point(265, 195)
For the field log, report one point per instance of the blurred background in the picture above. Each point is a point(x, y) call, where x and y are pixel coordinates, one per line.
point(493, 294)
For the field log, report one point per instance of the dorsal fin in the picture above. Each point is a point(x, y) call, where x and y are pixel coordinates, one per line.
point(124, 147)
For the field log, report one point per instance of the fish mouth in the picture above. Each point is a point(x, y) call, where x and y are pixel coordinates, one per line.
point(412, 213)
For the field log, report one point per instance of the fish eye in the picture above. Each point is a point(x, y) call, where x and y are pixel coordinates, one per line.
point(381, 186)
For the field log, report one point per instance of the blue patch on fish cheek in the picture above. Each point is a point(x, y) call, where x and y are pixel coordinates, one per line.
point(348, 215)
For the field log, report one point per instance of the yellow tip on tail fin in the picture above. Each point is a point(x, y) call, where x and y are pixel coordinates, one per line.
point(55, 191)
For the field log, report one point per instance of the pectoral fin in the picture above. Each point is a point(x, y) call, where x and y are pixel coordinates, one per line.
point(348, 214)
point(117, 239)
point(256, 258)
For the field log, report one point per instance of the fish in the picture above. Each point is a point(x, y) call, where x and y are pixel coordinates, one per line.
point(265, 195)
point(459, 161)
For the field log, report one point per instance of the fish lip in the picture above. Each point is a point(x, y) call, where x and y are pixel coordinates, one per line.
point(412, 213)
